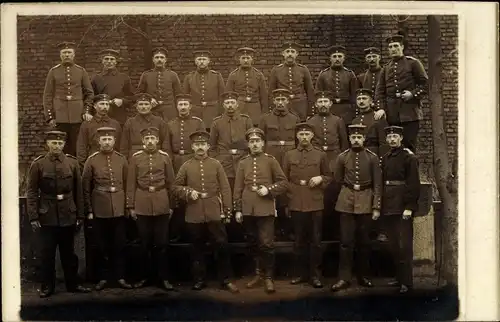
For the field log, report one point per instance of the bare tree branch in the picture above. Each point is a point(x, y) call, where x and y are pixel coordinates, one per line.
point(134, 29)
point(86, 32)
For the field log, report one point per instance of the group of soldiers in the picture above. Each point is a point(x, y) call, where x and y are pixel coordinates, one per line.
point(218, 153)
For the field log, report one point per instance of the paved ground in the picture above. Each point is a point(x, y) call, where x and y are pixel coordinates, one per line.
point(288, 303)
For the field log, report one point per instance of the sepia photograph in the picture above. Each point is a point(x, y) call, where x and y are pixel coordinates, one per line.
point(238, 166)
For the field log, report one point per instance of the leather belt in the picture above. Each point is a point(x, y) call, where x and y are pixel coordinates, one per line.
point(60, 196)
point(205, 103)
point(254, 187)
point(183, 152)
point(232, 151)
point(247, 98)
point(152, 188)
point(296, 96)
point(357, 187)
point(300, 182)
point(340, 101)
point(281, 143)
point(326, 147)
point(108, 189)
point(394, 183)
point(205, 195)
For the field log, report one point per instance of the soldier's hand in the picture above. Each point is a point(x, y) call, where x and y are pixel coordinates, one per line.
point(133, 214)
point(170, 212)
point(90, 216)
point(194, 195)
point(154, 102)
point(407, 214)
point(263, 191)
point(407, 95)
point(314, 181)
point(239, 217)
point(118, 102)
point(87, 117)
point(287, 212)
point(52, 123)
point(35, 225)
point(375, 214)
point(79, 223)
point(379, 114)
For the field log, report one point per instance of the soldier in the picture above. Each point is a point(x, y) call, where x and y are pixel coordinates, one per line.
point(149, 188)
point(227, 135)
point(370, 77)
point(205, 87)
point(115, 84)
point(307, 170)
point(342, 82)
point(67, 97)
point(358, 170)
point(401, 86)
point(250, 84)
point(401, 192)
point(55, 207)
point(162, 84)
point(88, 142)
point(296, 78)
point(104, 178)
point(131, 140)
point(279, 130)
point(375, 134)
point(202, 183)
point(259, 180)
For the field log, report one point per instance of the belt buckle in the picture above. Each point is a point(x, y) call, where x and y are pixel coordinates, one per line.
point(387, 183)
point(337, 100)
point(160, 102)
point(181, 152)
point(255, 188)
point(356, 187)
point(292, 96)
point(203, 195)
point(112, 189)
point(325, 147)
point(204, 103)
point(68, 97)
point(60, 197)
point(151, 189)
point(303, 182)
point(234, 151)
point(282, 142)
point(398, 94)
point(248, 98)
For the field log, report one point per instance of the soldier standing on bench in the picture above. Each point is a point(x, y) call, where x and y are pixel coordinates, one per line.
point(401, 191)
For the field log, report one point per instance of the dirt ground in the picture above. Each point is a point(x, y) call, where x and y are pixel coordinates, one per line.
point(303, 302)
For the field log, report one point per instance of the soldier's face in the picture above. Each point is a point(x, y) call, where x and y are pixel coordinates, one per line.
point(159, 60)
point(396, 49)
point(281, 102)
point(150, 142)
point(323, 104)
point(106, 143)
point(200, 148)
point(109, 62)
point(337, 59)
point(230, 105)
point(305, 137)
point(372, 59)
point(55, 146)
point(256, 144)
point(202, 62)
point(394, 140)
point(67, 55)
point(183, 107)
point(246, 60)
point(143, 107)
point(290, 55)
point(357, 140)
point(364, 102)
point(102, 107)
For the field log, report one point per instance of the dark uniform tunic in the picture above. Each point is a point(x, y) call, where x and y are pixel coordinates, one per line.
point(179, 130)
point(250, 84)
point(55, 199)
point(297, 79)
point(369, 78)
point(401, 191)
point(375, 133)
point(116, 85)
point(163, 84)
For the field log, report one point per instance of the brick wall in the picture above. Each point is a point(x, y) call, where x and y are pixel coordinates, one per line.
point(221, 34)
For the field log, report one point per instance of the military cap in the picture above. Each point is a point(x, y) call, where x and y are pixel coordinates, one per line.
point(143, 97)
point(290, 45)
point(336, 49)
point(356, 129)
point(202, 53)
point(253, 133)
point(150, 131)
point(109, 52)
point(245, 51)
point(199, 136)
point(364, 91)
point(159, 50)
point(229, 95)
point(66, 45)
point(55, 135)
point(281, 92)
point(183, 97)
point(101, 97)
point(323, 94)
point(395, 38)
point(106, 131)
point(393, 130)
point(304, 126)
point(372, 50)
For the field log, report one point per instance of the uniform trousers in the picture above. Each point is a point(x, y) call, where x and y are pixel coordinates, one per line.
point(300, 106)
point(261, 242)
point(153, 233)
point(71, 130)
point(400, 235)
point(354, 233)
point(52, 237)
point(410, 133)
point(330, 216)
point(307, 246)
point(166, 111)
point(215, 233)
point(111, 236)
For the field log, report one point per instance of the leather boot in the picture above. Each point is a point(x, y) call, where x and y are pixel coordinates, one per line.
point(101, 285)
point(269, 286)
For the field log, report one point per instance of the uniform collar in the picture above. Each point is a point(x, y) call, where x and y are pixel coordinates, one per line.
point(280, 113)
point(357, 150)
point(368, 111)
point(374, 69)
point(291, 64)
point(112, 71)
point(246, 68)
point(327, 114)
point(398, 58)
point(309, 147)
point(146, 117)
point(202, 71)
point(187, 117)
point(235, 116)
point(107, 153)
point(159, 69)
point(397, 150)
point(58, 157)
point(337, 68)
point(255, 155)
point(66, 64)
point(99, 118)
point(151, 152)
point(199, 158)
